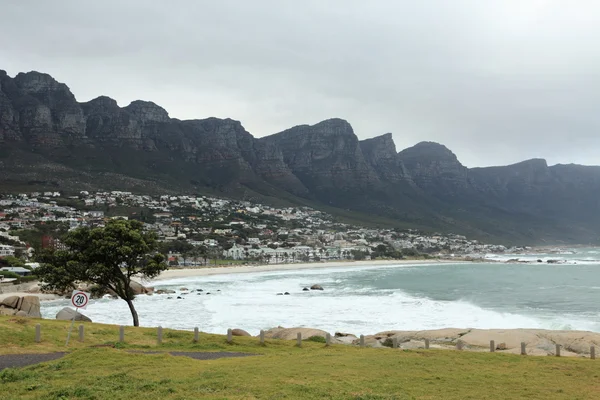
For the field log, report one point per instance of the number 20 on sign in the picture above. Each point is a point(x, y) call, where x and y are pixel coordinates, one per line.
point(80, 299)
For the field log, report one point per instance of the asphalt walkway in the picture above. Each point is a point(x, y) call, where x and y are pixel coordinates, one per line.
point(23, 360)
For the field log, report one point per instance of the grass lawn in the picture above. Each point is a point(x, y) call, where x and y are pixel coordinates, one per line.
point(279, 371)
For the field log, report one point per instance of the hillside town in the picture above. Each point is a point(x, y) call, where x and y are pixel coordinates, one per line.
point(197, 230)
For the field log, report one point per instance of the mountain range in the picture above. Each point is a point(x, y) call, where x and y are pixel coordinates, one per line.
point(50, 140)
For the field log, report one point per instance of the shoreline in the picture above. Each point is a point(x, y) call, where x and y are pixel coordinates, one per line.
point(242, 269)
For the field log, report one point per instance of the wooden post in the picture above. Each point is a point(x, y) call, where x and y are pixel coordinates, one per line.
point(592, 352)
point(159, 335)
point(492, 346)
point(394, 342)
point(229, 336)
point(38, 333)
point(558, 350)
point(426, 344)
point(459, 345)
point(196, 335)
point(327, 339)
point(262, 337)
point(362, 340)
point(81, 333)
point(523, 349)
point(122, 334)
point(299, 339)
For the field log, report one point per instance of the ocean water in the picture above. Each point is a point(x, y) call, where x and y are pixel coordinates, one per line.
point(369, 299)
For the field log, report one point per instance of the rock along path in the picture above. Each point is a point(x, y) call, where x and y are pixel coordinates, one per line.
point(23, 360)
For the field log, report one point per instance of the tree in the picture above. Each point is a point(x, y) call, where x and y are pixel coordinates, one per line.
point(108, 257)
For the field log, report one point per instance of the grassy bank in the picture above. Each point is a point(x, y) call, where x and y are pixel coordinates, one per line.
point(280, 369)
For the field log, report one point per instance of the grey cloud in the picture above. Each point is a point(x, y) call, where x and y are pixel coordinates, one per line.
point(496, 81)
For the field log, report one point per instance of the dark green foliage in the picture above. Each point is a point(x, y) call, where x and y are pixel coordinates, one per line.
point(317, 339)
point(108, 257)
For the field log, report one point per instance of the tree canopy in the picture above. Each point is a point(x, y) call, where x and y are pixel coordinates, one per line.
point(107, 256)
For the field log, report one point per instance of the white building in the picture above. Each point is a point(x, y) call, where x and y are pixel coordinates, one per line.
point(6, 250)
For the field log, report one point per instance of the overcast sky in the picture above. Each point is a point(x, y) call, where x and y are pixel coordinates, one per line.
point(497, 81)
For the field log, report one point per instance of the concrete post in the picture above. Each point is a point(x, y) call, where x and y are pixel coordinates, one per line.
point(122, 334)
point(459, 345)
point(327, 339)
point(229, 335)
point(395, 343)
point(523, 349)
point(38, 333)
point(299, 339)
point(196, 335)
point(159, 335)
point(492, 346)
point(592, 352)
point(426, 344)
point(262, 337)
point(362, 340)
point(81, 333)
point(558, 350)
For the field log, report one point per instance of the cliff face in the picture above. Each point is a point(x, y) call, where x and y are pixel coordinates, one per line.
point(48, 139)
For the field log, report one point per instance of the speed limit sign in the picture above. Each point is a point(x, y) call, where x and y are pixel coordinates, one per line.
point(80, 299)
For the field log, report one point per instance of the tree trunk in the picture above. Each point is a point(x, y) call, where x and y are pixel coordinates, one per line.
point(134, 314)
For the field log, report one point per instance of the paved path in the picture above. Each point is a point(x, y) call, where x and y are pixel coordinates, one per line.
point(22, 360)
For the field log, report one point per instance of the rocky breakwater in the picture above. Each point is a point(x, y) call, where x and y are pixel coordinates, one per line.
point(26, 306)
point(538, 342)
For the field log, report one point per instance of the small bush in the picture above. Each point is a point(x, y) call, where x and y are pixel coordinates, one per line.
point(318, 339)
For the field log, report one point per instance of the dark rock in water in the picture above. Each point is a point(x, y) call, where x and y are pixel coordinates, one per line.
point(553, 261)
point(539, 261)
point(279, 294)
point(218, 290)
point(179, 297)
point(170, 297)
point(207, 292)
point(316, 287)
point(305, 289)
point(200, 290)
point(287, 293)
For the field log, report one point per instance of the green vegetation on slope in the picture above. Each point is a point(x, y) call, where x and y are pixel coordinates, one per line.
point(280, 370)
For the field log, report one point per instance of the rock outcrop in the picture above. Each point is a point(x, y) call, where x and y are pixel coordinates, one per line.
point(67, 314)
point(26, 306)
point(292, 333)
point(537, 341)
point(49, 140)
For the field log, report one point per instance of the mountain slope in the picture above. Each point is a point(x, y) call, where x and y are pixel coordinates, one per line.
point(49, 140)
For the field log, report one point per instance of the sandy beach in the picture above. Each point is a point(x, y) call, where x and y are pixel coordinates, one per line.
point(205, 271)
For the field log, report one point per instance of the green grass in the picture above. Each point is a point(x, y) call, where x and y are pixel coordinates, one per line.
point(280, 371)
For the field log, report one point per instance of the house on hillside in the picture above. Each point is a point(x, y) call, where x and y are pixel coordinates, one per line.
point(6, 250)
point(17, 270)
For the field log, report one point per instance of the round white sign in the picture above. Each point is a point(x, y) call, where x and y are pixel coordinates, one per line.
point(80, 299)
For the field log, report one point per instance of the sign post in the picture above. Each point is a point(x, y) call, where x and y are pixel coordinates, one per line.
point(79, 299)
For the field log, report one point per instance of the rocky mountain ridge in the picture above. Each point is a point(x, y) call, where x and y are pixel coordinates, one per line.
point(48, 139)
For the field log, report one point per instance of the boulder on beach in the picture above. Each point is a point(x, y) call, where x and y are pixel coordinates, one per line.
point(67, 313)
point(10, 302)
point(316, 287)
point(165, 291)
point(292, 333)
point(239, 332)
point(31, 306)
point(136, 287)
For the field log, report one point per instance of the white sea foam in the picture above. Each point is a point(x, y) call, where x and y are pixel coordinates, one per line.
point(250, 302)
